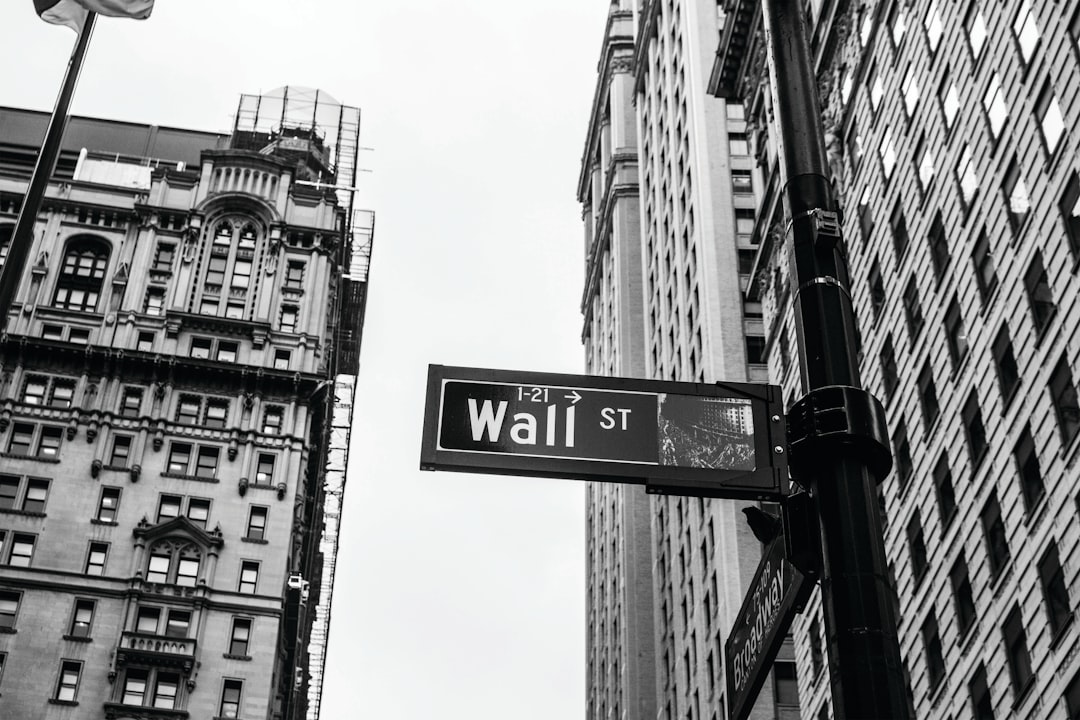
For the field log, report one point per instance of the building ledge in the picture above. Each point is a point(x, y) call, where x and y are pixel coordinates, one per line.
point(120, 711)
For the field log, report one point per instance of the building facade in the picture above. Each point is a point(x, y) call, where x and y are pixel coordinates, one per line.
point(668, 202)
point(950, 128)
point(175, 364)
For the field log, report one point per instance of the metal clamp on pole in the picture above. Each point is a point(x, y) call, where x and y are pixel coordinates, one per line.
point(830, 418)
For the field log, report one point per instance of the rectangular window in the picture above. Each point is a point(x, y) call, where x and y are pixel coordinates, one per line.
point(256, 527)
point(155, 302)
point(165, 689)
point(37, 492)
point(134, 686)
point(917, 547)
point(742, 181)
point(67, 686)
point(994, 106)
point(96, 557)
point(200, 347)
point(854, 147)
point(272, 419)
point(234, 310)
point(22, 439)
point(940, 257)
point(1026, 31)
point(866, 214)
point(294, 275)
point(924, 164)
point(949, 97)
point(215, 270)
point(226, 352)
point(179, 458)
point(187, 573)
point(997, 546)
point(1066, 405)
point(288, 318)
point(785, 684)
point(909, 92)
point(887, 153)
point(904, 466)
point(9, 608)
point(178, 624)
point(109, 504)
point(934, 26)
point(188, 409)
point(981, 703)
point(1040, 298)
point(163, 257)
point(974, 430)
point(912, 309)
point(944, 491)
point(231, 691)
point(755, 350)
point(249, 576)
point(199, 511)
point(1017, 202)
point(34, 390)
point(82, 617)
point(1016, 651)
point(955, 334)
point(935, 661)
point(63, 393)
point(985, 272)
point(898, 226)
point(1005, 364)
point(877, 89)
point(146, 620)
point(281, 359)
point(241, 277)
point(79, 336)
point(1051, 121)
point(817, 654)
point(1055, 592)
point(963, 598)
point(22, 549)
point(877, 290)
point(217, 413)
point(121, 451)
point(49, 442)
point(157, 570)
point(1069, 206)
point(240, 637)
point(264, 471)
point(975, 25)
point(737, 144)
point(131, 402)
point(966, 177)
point(1027, 464)
point(206, 463)
point(145, 342)
point(928, 399)
point(9, 491)
point(52, 332)
point(168, 507)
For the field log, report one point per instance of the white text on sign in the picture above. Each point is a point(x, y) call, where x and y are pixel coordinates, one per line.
point(487, 419)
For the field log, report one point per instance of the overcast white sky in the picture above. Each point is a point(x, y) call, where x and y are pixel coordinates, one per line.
point(458, 596)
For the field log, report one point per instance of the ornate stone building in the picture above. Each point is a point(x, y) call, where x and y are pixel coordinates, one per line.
point(175, 360)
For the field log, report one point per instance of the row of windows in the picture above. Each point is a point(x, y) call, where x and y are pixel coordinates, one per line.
point(195, 509)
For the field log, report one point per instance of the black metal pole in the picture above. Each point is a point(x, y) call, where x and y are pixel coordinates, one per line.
point(838, 428)
point(22, 237)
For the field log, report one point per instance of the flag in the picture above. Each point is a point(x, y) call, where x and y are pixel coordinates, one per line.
point(73, 12)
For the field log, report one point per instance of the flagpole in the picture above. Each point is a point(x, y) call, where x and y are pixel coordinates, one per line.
point(23, 235)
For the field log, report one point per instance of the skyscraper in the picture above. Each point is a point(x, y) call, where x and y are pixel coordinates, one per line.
point(667, 194)
point(949, 130)
point(176, 390)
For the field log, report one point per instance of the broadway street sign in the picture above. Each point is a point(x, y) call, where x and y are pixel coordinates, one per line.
point(775, 594)
point(724, 440)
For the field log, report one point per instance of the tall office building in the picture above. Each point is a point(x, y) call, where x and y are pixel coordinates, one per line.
point(950, 128)
point(174, 409)
point(667, 192)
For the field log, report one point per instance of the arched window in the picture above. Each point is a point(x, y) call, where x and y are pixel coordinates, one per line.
point(81, 275)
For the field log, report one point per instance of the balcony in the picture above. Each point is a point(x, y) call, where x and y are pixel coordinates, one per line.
point(156, 650)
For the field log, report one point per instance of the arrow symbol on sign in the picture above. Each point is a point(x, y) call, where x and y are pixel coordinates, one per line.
point(574, 397)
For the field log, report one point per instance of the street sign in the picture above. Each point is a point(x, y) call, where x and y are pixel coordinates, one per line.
point(776, 593)
point(712, 440)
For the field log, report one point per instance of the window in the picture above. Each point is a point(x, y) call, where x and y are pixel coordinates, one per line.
point(1055, 592)
point(889, 376)
point(935, 661)
point(178, 623)
point(994, 106)
point(230, 698)
point(209, 306)
point(975, 25)
point(82, 617)
point(163, 257)
point(67, 685)
point(1026, 31)
point(234, 310)
point(28, 496)
point(146, 620)
point(877, 89)
point(264, 469)
point(179, 458)
point(735, 111)
point(1027, 464)
point(912, 309)
point(910, 90)
point(898, 226)
point(737, 144)
point(928, 399)
point(9, 608)
point(169, 507)
point(53, 392)
point(272, 419)
point(134, 686)
point(974, 430)
point(755, 350)
point(199, 511)
point(131, 402)
point(917, 547)
point(963, 598)
point(949, 97)
point(79, 336)
point(81, 275)
point(95, 558)
point(1005, 363)
point(288, 318)
point(985, 273)
point(904, 465)
point(877, 290)
point(281, 359)
point(785, 684)
point(955, 334)
point(217, 413)
point(940, 257)
point(934, 27)
point(206, 463)
point(34, 389)
point(165, 690)
point(188, 409)
point(109, 504)
point(1016, 651)
point(981, 704)
point(256, 526)
point(866, 213)
point(32, 440)
point(1017, 202)
point(121, 451)
point(52, 332)
point(817, 655)
point(966, 178)
point(22, 438)
point(241, 276)
point(924, 164)
point(887, 153)
point(179, 568)
point(1070, 211)
point(742, 181)
point(997, 547)
point(1066, 405)
point(49, 442)
point(1072, 692)
point(249, 576)
point(155, 301)
point(239, 637)
point(944, 491)
point(215, 270)
point(854, 147)
point(1040, 298)
point(22, 549)
point(200, 347)
point(226, 352)
point(1051, 122)
point(145, 343)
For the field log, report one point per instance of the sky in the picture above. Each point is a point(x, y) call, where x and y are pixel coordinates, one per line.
point(458, 596)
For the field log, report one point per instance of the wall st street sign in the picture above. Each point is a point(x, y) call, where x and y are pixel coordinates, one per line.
point(713, 440)
point(776, 593)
